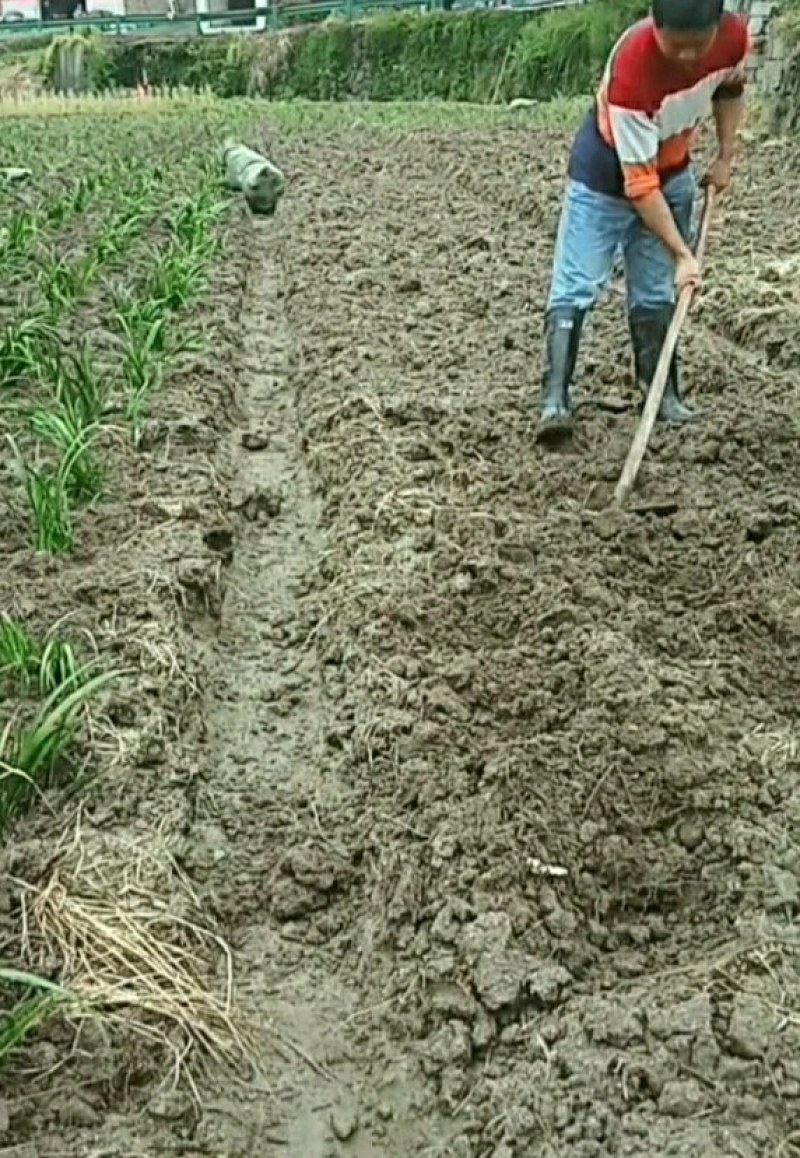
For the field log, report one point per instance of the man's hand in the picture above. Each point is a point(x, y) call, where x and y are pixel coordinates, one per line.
point(718, 175)
point(687, 271)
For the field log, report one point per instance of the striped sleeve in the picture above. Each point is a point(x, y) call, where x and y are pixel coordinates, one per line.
point(635, 135)
point(632, 104)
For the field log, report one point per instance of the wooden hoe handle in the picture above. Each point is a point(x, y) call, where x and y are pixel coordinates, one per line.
point(656, 392)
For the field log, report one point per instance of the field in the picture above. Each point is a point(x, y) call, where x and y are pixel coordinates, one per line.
point(369, 787)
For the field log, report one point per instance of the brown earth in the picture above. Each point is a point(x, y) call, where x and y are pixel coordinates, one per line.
point(493, 791)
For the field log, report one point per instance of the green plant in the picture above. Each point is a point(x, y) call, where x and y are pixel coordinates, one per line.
point(48, 664)
point(31, 754)
point(49, 489)
point(43, 1000)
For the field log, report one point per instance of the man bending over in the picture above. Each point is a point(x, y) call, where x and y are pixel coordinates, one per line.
point(631, 187)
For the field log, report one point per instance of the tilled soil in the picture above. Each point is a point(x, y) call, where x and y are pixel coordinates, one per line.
point(493, 790)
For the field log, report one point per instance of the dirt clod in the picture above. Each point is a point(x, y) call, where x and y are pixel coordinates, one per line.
point(748, 1031)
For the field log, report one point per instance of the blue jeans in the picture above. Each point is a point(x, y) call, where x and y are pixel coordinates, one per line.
point(595, 227)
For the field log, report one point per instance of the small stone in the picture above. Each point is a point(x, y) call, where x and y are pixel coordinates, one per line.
point(450, 1044)
point(451, 1000)
point(784, 890)
point(75, 1111)
point(546, 985)
point(613, 1025)
point(502, 1151)
point(749, 1106)
point(461, 583)
point(561, 923)
point(344, 1122)
point(681, 1099)
point(255, 440)
point(488, 932)
point(5, 1122)
point(748, 1031)
point(499, 979)
point(692, 1017)
point(691, 834)
point(170, 1106)
point(452, 1087)
point(484, 1030)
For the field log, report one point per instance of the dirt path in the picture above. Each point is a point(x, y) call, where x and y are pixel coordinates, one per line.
point(265, 814)
point(265, 717)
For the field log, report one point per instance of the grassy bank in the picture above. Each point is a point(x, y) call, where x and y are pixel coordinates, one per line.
point(477, 57)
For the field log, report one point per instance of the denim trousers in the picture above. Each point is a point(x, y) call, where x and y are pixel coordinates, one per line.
point(595, 228)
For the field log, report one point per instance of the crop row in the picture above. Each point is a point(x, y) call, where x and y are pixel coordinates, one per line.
point(100, 275)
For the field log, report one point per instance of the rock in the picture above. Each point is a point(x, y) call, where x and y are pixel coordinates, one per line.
point(748, 1031)
point(749, 1106)
point(74, 1111)
point(782, 888)
point(502, 1151)
point(691, 1018)
point(170, 1106)
point(487, 933)
point(5, 1121)
point(344, 1122)
point(561, 923)
point(499, 972)
point(484, 1030)
point(451, 1043)
point(681, 1099)
point(451, 1000)
point(547, 983)
point(613, 1025)
point(499, 979)
point(691, 834)
point(255, 439)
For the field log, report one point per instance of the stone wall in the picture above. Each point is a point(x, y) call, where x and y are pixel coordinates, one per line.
point(766, 62)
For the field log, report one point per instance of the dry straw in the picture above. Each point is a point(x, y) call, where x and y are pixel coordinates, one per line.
point(123, 928)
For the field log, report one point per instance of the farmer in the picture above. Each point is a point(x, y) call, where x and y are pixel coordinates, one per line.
point(630, 186)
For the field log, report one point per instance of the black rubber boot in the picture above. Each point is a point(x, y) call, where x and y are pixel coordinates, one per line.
point(563, 336)
point(648, 328)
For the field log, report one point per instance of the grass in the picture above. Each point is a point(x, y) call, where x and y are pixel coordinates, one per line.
point(41, 1002)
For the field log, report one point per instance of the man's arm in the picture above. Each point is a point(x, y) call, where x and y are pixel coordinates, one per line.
point(635, 136)
point(728, 100)
point(728, 113)
point(658, 217)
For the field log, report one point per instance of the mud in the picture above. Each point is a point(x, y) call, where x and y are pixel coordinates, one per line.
point(492, 790)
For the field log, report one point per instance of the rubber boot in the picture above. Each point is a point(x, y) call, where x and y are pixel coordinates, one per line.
point(648, 327)
point(563, 335)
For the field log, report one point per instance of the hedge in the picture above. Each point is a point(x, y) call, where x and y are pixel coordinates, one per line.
point(395, 56)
